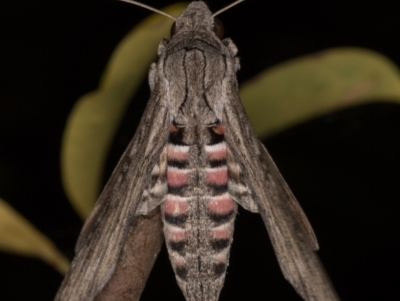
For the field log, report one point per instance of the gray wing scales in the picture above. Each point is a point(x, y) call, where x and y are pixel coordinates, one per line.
point(264, 188)
point(104, 233)
point(157, 188)
point(237, 187)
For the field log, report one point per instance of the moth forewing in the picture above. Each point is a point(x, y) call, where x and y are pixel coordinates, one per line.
point(103, 236)
point(195, 154)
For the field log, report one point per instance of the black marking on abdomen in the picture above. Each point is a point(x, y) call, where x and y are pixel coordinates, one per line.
point(218, 189)
point(220, 244)
point(177, 190)
point(217, 163)
point(177, 164)
point(181, 272)
point(175, 219)
point(219, 269)
point(221, 218)
point(178, 246)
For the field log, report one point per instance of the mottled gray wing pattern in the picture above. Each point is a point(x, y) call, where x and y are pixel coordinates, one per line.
point(104, 233)
point(290, 232)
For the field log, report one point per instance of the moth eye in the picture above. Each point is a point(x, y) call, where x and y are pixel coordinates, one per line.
point(218, 28)
point(173, 29)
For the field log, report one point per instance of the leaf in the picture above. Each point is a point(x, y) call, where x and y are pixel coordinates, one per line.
point(316, 84)
point(96, 116)
point(19, 236)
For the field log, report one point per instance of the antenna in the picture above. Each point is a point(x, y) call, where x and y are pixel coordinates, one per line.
point(225, 8)
point(151, 8)
point(171, 17)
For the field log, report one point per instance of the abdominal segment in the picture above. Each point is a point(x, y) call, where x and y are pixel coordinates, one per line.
point(198, 214)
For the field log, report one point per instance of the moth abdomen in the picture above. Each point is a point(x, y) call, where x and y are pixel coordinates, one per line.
point(219, 269)
point(198, 212)
point(177, 177)
point(177, 163)
point(220, 244)
point(221, 209)
point(217, 163)
point(175, 209)
point(175, 219)
point(217, 176)
point(177, 246)
point(181, 272)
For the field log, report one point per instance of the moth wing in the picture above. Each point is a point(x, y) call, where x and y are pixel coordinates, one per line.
point(261, 188)
point(103, 236)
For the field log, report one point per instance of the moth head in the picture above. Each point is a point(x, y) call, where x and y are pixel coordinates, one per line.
point(217, 27)
point(196, 17)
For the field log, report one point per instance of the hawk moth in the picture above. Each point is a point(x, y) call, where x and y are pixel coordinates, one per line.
point(196, 156)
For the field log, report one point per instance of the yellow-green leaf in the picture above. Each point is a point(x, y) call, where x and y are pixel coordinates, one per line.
point(316, 84)
point(96, 116)
point(18, 235)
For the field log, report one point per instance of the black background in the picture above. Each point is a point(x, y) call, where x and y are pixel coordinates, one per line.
point(343, 167)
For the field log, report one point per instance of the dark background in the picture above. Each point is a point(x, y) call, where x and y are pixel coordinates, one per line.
point(343, 167)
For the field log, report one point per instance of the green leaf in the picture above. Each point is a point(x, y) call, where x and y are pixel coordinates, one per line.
point(18, 235)
point(96, 116)
point(316, 84)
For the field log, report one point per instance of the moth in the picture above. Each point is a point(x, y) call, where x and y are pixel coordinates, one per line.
point(196, 156)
